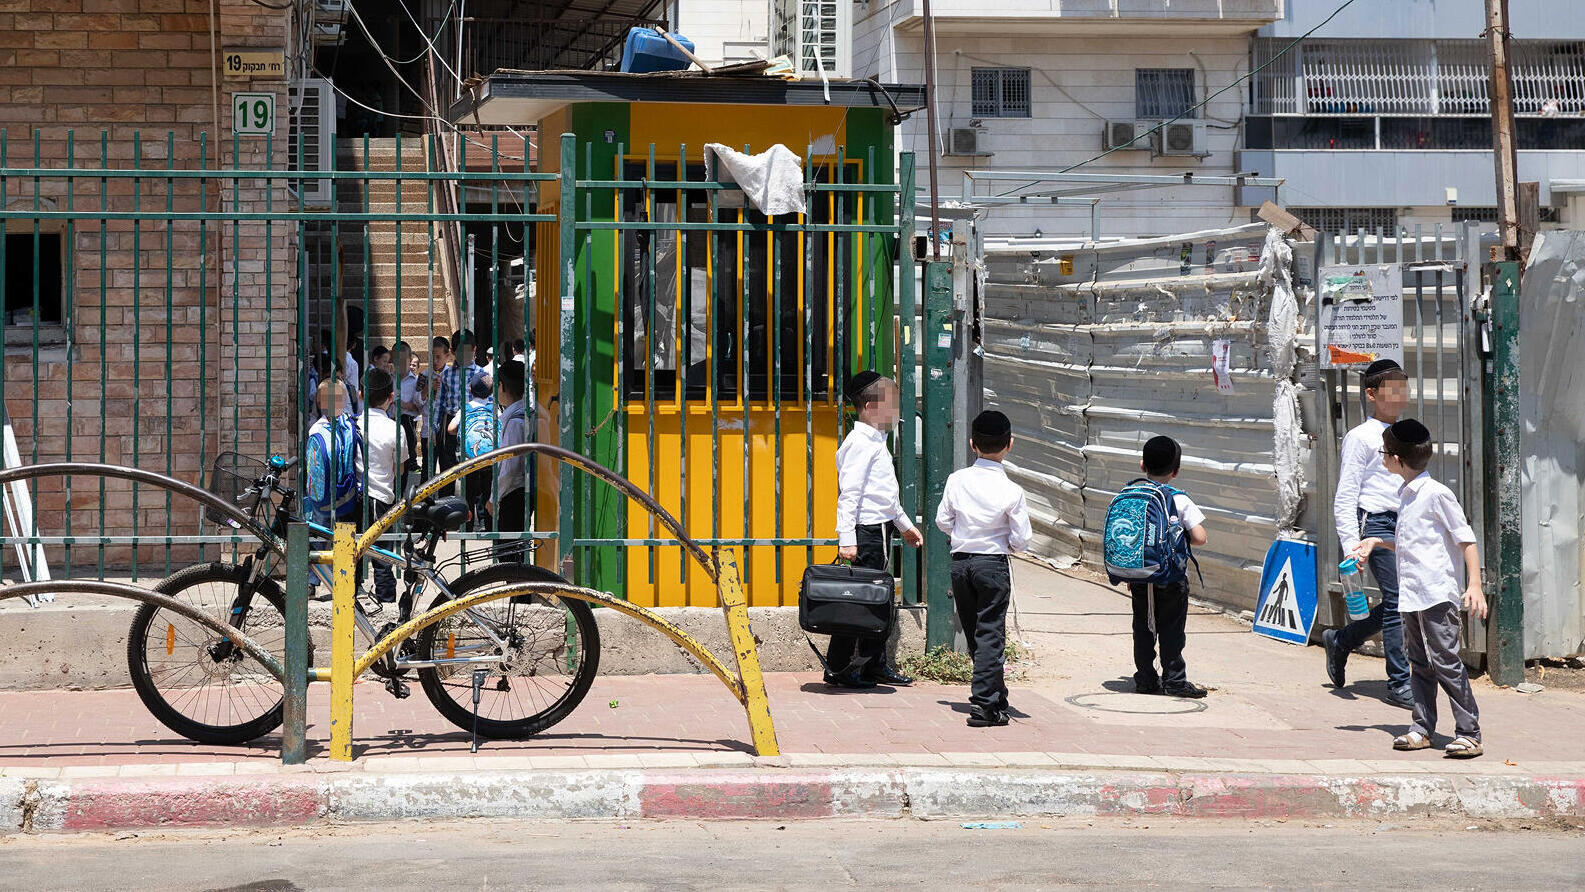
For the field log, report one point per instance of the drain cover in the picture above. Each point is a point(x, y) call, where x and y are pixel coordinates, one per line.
point(1136, 704)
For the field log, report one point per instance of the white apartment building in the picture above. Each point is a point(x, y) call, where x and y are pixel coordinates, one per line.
point(1379, 119)
point(1041, 84)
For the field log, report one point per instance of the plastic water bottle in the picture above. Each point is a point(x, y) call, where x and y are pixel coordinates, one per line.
point(1354, 589)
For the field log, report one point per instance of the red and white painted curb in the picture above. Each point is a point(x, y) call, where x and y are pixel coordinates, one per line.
point(305, 796)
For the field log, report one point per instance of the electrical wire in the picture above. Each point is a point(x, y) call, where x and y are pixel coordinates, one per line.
point(1201, 104)
point(282, 8)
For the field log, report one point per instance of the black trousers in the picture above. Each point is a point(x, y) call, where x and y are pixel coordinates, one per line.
point(865, 656)
point(384, 574)
point(982, 589)
point(509, 513)
point(445, 456)
point(1172, 613)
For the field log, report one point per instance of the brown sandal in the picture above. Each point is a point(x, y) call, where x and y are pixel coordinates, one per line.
point(1462, 747)
point(1414, 740)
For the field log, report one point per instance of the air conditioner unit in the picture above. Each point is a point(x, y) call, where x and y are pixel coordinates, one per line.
point(1126, 135)
point(965, 141)
point(1183, 138)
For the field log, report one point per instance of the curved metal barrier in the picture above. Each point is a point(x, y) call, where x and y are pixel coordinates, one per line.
point(497, 591)
point(747, 685)
point(138, 475)
point(348, 547)
point(148, 596)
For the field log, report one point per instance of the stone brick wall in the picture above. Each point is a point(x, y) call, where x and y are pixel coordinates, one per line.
point(181, 334)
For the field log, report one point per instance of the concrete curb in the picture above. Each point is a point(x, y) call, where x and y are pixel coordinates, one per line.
point(309, 796)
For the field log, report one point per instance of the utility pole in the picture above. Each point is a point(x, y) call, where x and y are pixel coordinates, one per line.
point(1502, 128)
point(1504, 540)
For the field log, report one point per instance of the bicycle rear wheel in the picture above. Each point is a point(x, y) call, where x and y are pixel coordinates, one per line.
point(192, 678)
point(550, 657)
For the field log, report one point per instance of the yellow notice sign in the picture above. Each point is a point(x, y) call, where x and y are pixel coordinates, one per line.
point(253, 63)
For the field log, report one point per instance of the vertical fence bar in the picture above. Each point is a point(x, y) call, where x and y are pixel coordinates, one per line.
point(650, 240)
point(203, 315)
point(566, 398)
point(137, 329)
point(907, 446)
point(170, 344)
point(68, 319)
point(294, 699)
point(683, 358)
point(5, 415)
point(104, 325)
point(807, 293)
point(773, 329)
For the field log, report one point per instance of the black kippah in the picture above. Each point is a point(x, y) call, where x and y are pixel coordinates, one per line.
point(1383, 367)
point(992, 423)
point(858, 383)
point(1409, 432)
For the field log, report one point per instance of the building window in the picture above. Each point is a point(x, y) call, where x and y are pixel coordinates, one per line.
point(1349, 220)
point(1164, 93)
point(34, 271)
point(1001, 92)
point(1489, 215)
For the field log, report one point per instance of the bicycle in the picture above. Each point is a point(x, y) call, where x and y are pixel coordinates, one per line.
point(542, 648)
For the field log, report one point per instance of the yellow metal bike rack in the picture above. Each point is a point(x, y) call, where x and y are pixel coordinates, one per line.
point(747, 685)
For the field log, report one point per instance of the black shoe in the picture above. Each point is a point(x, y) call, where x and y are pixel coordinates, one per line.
point(1401, 697)
point(890, 675)
point(1336, 659)
point(1187, 690)
point(994, 718)
point(1153, 687)
point(850, 680)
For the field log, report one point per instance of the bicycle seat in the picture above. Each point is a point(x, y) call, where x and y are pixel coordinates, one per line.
point(446, 514)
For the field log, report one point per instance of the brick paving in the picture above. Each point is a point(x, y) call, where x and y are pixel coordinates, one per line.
point(1269, 702)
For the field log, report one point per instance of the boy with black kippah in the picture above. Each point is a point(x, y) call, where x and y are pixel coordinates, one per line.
point(985, 514)
point(868, 502)
point(1433, 538)
point(1366, 504)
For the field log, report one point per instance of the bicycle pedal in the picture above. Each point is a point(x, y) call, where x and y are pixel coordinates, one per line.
point(398, 688)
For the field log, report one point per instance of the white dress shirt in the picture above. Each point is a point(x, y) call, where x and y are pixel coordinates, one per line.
point(867, 491)
point(514, 430)
point(1431, 531)
point(383, 438)
point(1362, 481)
point(983, 511)
point(410, 403)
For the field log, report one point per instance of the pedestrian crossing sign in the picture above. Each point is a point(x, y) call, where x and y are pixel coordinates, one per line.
point(1286, 607)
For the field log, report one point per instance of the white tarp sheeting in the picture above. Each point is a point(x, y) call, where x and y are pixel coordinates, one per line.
point(1552, 403)
point(1092, 350)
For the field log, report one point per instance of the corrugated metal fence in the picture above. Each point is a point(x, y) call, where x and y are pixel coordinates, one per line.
point(1092, 351)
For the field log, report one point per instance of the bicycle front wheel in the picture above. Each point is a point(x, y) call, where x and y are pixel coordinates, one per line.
point(546, 652)
point(192, 678)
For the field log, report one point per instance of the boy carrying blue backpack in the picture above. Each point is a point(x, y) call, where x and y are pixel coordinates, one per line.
point(332, 486)
point(1150, 528)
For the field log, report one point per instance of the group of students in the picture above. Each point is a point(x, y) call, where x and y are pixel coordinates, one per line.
point(363, 444)
point(1389, 511)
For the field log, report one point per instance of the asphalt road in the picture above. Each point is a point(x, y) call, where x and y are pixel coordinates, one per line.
point(883, 854)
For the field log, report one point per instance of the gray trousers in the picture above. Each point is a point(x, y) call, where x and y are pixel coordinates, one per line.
point(1431, 640)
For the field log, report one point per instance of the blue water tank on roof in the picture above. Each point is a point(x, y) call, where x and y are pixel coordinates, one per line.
point(646, 51)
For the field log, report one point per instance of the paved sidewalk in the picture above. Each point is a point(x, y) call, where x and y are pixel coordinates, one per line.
point(1271, 739)
point(1270, 701)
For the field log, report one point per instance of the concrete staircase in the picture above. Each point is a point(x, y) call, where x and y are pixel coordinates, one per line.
point(427, 306)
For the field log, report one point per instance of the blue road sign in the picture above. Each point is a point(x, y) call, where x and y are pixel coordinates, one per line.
point(1286, 608)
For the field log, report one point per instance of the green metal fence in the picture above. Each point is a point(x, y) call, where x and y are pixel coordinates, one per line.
point(165, 306)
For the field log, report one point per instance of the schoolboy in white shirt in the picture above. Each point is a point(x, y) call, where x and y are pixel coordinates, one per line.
point(380, 462)
point(868, 499)
point(1366, 504)
point(987, 518)
point(1433, 538)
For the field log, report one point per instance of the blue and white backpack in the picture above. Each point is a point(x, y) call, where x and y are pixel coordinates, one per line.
point(1144, 539)
point(478, 430)
point(334, 487)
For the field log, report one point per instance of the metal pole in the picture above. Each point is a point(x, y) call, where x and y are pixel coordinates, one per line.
point(940, 435)
point(1505, 632)
point(343, 594)
point(294, 700)
point(930, 125)
point(1501, 126)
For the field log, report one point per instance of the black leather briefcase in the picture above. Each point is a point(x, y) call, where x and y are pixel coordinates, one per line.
point(836, 599)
